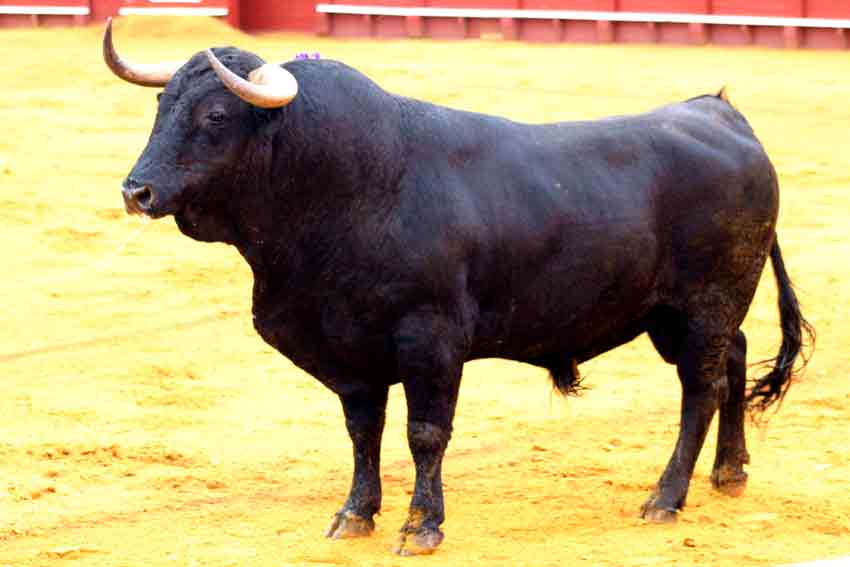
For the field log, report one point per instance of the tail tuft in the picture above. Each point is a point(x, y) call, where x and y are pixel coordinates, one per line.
point(798, 339)
point(567, 379)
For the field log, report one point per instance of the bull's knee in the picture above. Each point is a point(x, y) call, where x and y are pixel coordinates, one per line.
point(721, 389)
point(425, 437)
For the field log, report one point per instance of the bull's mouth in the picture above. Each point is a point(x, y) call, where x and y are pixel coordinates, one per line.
point(191, 214)
point(149, 213)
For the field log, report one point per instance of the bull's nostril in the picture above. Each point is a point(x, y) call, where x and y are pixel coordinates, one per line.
point(143, 196)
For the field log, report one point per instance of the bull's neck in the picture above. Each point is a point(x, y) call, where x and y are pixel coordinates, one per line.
point(295, 218)
point(318, 167)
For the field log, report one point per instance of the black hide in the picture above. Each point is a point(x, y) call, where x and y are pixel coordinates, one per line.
point(391, 240)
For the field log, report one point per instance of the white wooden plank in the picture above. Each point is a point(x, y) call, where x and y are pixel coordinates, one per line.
point(578, 15)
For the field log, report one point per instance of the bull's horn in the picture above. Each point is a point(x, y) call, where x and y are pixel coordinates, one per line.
point(146, 75)
point(268, 86)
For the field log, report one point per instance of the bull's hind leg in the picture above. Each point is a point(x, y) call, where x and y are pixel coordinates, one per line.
point(364, 419)
point(701, 366)
point(728, 475)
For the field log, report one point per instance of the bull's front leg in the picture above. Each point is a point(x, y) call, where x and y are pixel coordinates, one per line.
point(364, 419)
point(431, 353)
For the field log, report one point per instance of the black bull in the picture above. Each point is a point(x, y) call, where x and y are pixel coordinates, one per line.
point(392, 240)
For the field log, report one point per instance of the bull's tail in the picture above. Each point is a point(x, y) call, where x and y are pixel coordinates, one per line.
point(797, 335)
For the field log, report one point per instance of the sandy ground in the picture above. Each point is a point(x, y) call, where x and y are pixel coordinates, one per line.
point(144, 423)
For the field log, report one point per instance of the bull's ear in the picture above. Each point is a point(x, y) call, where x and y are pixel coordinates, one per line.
point(268, 86)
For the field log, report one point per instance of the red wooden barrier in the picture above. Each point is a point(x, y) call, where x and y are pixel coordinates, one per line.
point(808, 23)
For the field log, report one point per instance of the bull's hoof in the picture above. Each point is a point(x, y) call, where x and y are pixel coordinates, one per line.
point(348, 524)
point(423, 541)
point(651, 511)
point(731, 481)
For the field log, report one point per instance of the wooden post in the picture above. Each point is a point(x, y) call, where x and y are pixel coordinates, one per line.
point(698, 33)
point(558, 26)
point(464, 27)
point(791, 36)
point(748, 35)
point(323, 23)
point(604, 31)
point(233, 14)
point(509, 28)
point(415, 26)
point(842, 37)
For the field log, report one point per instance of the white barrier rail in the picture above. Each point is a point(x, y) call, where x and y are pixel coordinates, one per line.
point(171, 11)
point(577, 15)
point(46, 10)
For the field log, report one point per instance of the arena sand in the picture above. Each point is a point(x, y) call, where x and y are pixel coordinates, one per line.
point(143, 423)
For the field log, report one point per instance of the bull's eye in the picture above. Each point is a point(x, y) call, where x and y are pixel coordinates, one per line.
point(216, 117)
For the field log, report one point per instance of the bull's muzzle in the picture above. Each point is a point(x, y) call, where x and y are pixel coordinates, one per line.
point(139, 199)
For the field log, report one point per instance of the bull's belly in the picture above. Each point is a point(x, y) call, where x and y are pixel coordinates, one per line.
point(592, 292)
point(581, 333)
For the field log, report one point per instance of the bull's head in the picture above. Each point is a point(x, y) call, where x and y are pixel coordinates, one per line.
point(201, 130)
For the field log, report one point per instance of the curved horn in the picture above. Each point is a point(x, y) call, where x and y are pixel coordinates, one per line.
point(146, 75)
point(268, 86)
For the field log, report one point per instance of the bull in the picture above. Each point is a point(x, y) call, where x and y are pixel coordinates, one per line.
point(392, 240)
